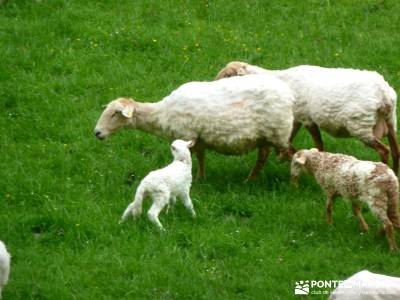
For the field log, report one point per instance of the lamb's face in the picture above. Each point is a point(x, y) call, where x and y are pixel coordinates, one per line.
point(235, 68)
point(116, 115)
point(298, 162)
point(180, 149)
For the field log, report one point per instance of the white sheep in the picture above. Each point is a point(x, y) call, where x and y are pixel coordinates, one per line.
point(231, 116)
point(342, 102)
point(365, 285)
point(5, 258)
point(359, 181)
point(163, 186)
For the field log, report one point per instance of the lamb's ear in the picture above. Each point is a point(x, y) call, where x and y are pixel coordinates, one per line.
point(191, 143)
point(301, 160)
point(127, 110)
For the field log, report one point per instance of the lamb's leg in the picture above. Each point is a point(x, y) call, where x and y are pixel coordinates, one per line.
point(160, 201)
point(316, 136)
point(382, 150)
point(263, 152)
point(389, 234)
point(170, 204)
point(358, 214)
point(381, 212)
point(329, 205)
point(187, 202)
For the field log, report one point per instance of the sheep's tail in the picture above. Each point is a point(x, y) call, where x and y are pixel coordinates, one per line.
point(135, 208)
point(389, 110)
point(390, 100)
point(393, 206)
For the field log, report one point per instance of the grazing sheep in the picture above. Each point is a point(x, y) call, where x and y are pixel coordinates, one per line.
point(164, 185)
point(5, 258)
point(365, 285)
point(230, 116)
point(359, 181)
point(342, 102)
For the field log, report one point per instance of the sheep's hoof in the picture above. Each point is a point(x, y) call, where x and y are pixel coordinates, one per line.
point(250, 178)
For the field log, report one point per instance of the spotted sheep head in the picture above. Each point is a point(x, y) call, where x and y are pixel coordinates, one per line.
point(118, 114)
point(234, 68)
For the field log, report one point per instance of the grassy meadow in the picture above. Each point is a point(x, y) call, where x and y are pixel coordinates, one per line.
point(62, 191)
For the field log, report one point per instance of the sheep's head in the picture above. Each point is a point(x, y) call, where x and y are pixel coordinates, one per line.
point(234, 68)
point(299, 162)
point(180, 150)
point(117, 114)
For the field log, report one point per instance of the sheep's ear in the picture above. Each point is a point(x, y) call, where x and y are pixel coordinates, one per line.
point(127, 111)
point(301, 160)
point(191, 143)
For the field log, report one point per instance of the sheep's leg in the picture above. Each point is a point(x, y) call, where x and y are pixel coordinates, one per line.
point(187, 202)
point(159, 203)
point(200, 151)
point(263, 152)
point(329, 206)
point(382, 150)
point(284, 153)
point(295, 130)
point(394, 147)
point(316, 136)
point(358, 214)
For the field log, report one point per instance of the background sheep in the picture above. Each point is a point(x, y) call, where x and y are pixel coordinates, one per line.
point(342, 102)
point(5, 258)
point(230, 116)
point(359, 181)
point(365, 285)
point(164, 185)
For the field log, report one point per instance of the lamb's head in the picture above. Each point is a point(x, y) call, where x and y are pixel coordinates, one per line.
point(299, 162)
point(180, 150)
point(234, 68)
point(118, 114)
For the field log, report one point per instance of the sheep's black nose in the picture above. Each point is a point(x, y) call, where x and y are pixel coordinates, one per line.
point(97, 133)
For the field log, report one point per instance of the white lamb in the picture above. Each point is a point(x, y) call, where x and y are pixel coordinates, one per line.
point(164, 185)
point(231, 116)
point(5, 258)
point(342, 102)
point(359, 181)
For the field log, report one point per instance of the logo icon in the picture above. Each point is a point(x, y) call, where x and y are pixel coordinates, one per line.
point(302, 287)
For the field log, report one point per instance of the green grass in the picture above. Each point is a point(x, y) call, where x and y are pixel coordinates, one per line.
point(62, 191)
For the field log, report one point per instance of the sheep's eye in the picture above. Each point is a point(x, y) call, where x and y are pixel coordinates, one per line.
point(114, 114)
